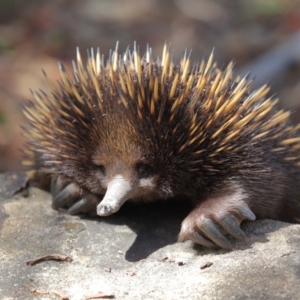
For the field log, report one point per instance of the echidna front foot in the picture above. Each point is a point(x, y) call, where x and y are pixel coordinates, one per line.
point(69, 196)
point(212, 220)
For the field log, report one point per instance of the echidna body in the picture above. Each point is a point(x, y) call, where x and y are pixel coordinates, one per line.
point(137, 128)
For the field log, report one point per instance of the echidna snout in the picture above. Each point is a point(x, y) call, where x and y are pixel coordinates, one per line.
point(118, 191)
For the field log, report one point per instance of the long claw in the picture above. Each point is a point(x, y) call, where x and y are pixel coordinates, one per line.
point(66, 196)
point(210, 229)
point(232, 227)
point(199, 239)
point(247, 212)
point(57, 184)
point(87, 204)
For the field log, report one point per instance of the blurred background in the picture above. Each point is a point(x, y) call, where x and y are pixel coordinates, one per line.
point(35, 34)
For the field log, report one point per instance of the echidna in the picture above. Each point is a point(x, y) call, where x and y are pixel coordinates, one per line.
point(136, 128)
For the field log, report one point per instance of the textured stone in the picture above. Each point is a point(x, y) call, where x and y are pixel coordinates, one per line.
point(134, 255)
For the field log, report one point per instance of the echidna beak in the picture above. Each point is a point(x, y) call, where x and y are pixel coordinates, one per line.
point(104, 210)
point(118, 192)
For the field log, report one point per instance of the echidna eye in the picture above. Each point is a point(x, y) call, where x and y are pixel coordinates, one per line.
point(101, 168)
point(143, 169)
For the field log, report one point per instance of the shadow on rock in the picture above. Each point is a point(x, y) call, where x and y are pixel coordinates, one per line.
point(156, 225)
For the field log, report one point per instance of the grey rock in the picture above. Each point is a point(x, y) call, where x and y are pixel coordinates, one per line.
point(134, 255)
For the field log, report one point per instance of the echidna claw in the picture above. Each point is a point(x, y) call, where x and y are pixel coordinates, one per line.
point(66, 197)
point(218, 216)
point(230, 225)
point(209, 228)
point(199, 239)
point(247, 212)
point(77, 207)
point(57, 185)
point(87, 204)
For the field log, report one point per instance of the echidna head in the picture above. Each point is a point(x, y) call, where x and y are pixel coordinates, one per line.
point(123, 165)
point(124, 181)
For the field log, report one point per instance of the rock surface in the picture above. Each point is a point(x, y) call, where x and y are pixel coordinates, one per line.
point(134, 255)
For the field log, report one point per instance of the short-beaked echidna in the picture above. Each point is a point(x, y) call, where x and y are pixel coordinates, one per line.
point(137, 128)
